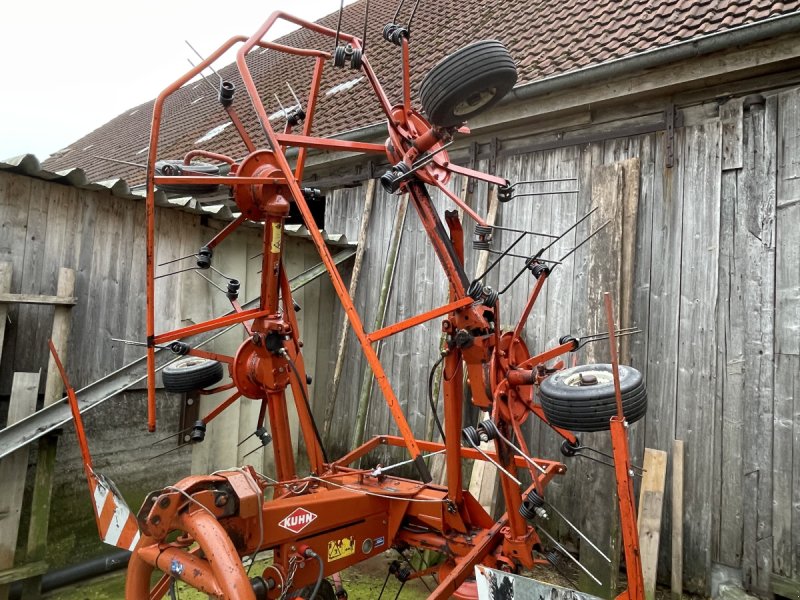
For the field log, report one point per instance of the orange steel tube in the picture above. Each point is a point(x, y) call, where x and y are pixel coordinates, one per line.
point(622, 470)
point(218, 323)
point(302, 141)
point(460, 203)
point(220, 407)
point(322, 249)
point(390, 330)
point(158, 108)
point(76, 414)
point(281, 440)
point(311, 108)
point(453, 394)
point(220, 553)
point(528, 307)
point(237, 122)
point(203, 180)
point(226, 231)
point(197, 572)
point(187, 159)
point(476, 174)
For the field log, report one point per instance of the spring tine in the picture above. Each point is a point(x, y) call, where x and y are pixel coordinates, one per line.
point(604, 336)
point(579, 532)
point(500, 467)
point(524, 456)
point(601, 453)
point(211, 282)
point(175, 272)
point(544, 181)
point(221, 274)
point(260, 446)
point(165, 453)
point(499, 258)
point(591, 235)
point(568, 555)
point(245, 439)
point(201, 57)
point(397, 12)
point(536, 233)
point(211, 85)
point(570, 228)
point(402, 585)
point(122, 162)
point(540, 259)
point(174, 260)
point(296, 99)
point(283, 110)
point(550, 193)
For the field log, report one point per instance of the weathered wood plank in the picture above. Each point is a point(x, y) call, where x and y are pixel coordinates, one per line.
point(5, 286)
point(730, 114)
point(786, 524)
point(695, 409)
point(676, 536)
point(730, 380)
point(13, 470)
point(37, 299)
point(651, 501)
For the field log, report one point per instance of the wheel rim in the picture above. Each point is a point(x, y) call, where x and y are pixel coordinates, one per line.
point(474, 102)
point(603, 377)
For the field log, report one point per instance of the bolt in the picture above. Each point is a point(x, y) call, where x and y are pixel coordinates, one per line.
point(164, 502)
point(189, 401)
point(221, 500)
point(155, 520)
point(630, 472)
point(541, 512)
point(186, 438)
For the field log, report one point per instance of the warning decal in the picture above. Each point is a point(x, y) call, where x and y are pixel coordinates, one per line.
point(340, 548)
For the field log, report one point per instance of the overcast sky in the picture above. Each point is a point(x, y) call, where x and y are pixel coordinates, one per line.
point(68, 67)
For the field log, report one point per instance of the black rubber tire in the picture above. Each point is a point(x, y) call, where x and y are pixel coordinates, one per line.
point(191, 373)
point(176, 168)
point(467, 82)
point(571, 406)
point(326, 591)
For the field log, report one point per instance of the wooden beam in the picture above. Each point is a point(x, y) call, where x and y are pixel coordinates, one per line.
point(6, 298)
point(677, 519)
point(5, 287)
point(353, 288)
point(13, 469)
point(23, 572)
point(651, 501)
point(783, 586)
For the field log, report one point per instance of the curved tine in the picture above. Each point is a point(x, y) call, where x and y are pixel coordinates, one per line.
point(566, 553)
point(500, 467)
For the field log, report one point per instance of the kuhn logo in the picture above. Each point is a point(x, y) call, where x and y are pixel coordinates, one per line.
point(297, 520)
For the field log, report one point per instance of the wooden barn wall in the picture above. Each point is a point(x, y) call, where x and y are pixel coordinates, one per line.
point(716, 295)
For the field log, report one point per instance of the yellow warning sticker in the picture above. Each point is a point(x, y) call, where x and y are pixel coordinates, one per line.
point(275, 243)
point(341, 548)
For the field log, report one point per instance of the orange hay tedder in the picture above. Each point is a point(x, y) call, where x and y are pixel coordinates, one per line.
point(199, 530)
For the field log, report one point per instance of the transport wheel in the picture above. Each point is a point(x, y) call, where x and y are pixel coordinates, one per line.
point(191, 373)
point(582, 398)
point(176, 168)
point(467, 82)
point(326, 592)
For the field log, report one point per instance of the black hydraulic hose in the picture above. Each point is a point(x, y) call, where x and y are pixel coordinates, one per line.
point(430, 396)
point(308, 406)
point(75, 573)
point(320, 574)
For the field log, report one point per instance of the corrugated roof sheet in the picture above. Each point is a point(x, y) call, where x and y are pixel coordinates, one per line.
point(28, 164)
point(546, 38)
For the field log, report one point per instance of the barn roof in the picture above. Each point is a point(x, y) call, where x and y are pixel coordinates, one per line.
point(547, 38)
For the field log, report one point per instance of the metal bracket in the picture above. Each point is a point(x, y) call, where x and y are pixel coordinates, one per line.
point(494, 146)
point(669, 118)
point(473, 164)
